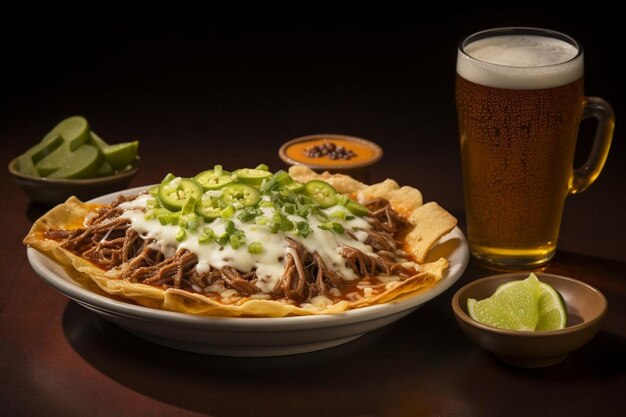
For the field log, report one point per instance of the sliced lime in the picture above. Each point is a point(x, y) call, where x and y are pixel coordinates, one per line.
point(25, 165)
point(75, 131)
point(513, 306)
point(97, 141)
point(35, 154)
point(121, 154)
point(105, 170)
point(54, 161)
point(82, 163)
point(43, 149)
point(552, 309)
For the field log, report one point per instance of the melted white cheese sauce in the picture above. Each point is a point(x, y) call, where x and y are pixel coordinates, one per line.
point(271, 262)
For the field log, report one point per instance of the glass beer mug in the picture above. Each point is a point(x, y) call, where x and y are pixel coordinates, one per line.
point(520, 100)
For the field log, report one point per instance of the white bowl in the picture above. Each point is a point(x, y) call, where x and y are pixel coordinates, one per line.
point(249, 336)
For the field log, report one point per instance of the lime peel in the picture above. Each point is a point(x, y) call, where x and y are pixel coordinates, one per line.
point(552, 309)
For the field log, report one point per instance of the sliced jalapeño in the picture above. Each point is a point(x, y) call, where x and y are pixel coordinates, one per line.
point(215, 178)
point(174, 193)
point(252, 176)
point(321, 193)
point(243, 194)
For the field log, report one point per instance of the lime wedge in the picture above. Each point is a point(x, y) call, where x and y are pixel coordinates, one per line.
point(552, 309)
point(97, 141)
point(105, 170)
point(121, 154)
point(82, 163)
point(513, 306)
point(25, 165)
point(35, 154)
point(53, 161)
point(75, 131)
point(43, 149)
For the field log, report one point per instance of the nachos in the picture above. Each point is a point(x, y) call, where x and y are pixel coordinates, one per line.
point(252, 243)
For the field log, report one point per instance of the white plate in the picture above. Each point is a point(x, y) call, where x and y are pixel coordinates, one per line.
point(249, 336)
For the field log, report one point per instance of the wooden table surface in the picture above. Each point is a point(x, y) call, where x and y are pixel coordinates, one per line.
point(206, 87)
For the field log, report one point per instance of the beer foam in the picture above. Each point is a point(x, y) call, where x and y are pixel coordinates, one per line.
point(520, 62)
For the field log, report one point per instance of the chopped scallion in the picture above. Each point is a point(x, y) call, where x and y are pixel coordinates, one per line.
point(180, 234)
point(207, 236)
point(229, 227)
point(189, 205)
point(169, 177)
point(332, 227)
point(303, 229)
point(235, 241)
point(227, 212)
point(338, 214)
point(248, 214)
point(255, 247)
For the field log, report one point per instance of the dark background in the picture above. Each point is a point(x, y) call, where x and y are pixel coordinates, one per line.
point(208, 85)
point(199, 87)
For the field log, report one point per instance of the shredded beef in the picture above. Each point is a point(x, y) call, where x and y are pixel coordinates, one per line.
point(108, 241)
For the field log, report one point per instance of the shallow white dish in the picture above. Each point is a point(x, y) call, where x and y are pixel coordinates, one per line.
point(249, 336)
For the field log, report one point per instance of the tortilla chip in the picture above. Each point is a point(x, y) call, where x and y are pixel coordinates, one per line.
point(437, 268)
point(402, 199)
point(342, 183)
point(410, 285)
point(430, 222)
point(194, 303)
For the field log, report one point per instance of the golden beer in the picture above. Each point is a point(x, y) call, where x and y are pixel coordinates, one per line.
point(519, 101)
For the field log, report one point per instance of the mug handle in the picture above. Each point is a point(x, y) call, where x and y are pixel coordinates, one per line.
point(584, 176)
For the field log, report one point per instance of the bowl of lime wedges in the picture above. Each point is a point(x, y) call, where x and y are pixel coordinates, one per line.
point(72, 159)
point(529, 320)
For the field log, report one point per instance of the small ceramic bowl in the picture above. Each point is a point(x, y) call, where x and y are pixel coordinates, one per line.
point(586, 308)
point(366, 153)
point(49, 192)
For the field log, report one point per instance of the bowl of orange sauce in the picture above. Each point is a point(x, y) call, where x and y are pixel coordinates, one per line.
point(331, 152)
